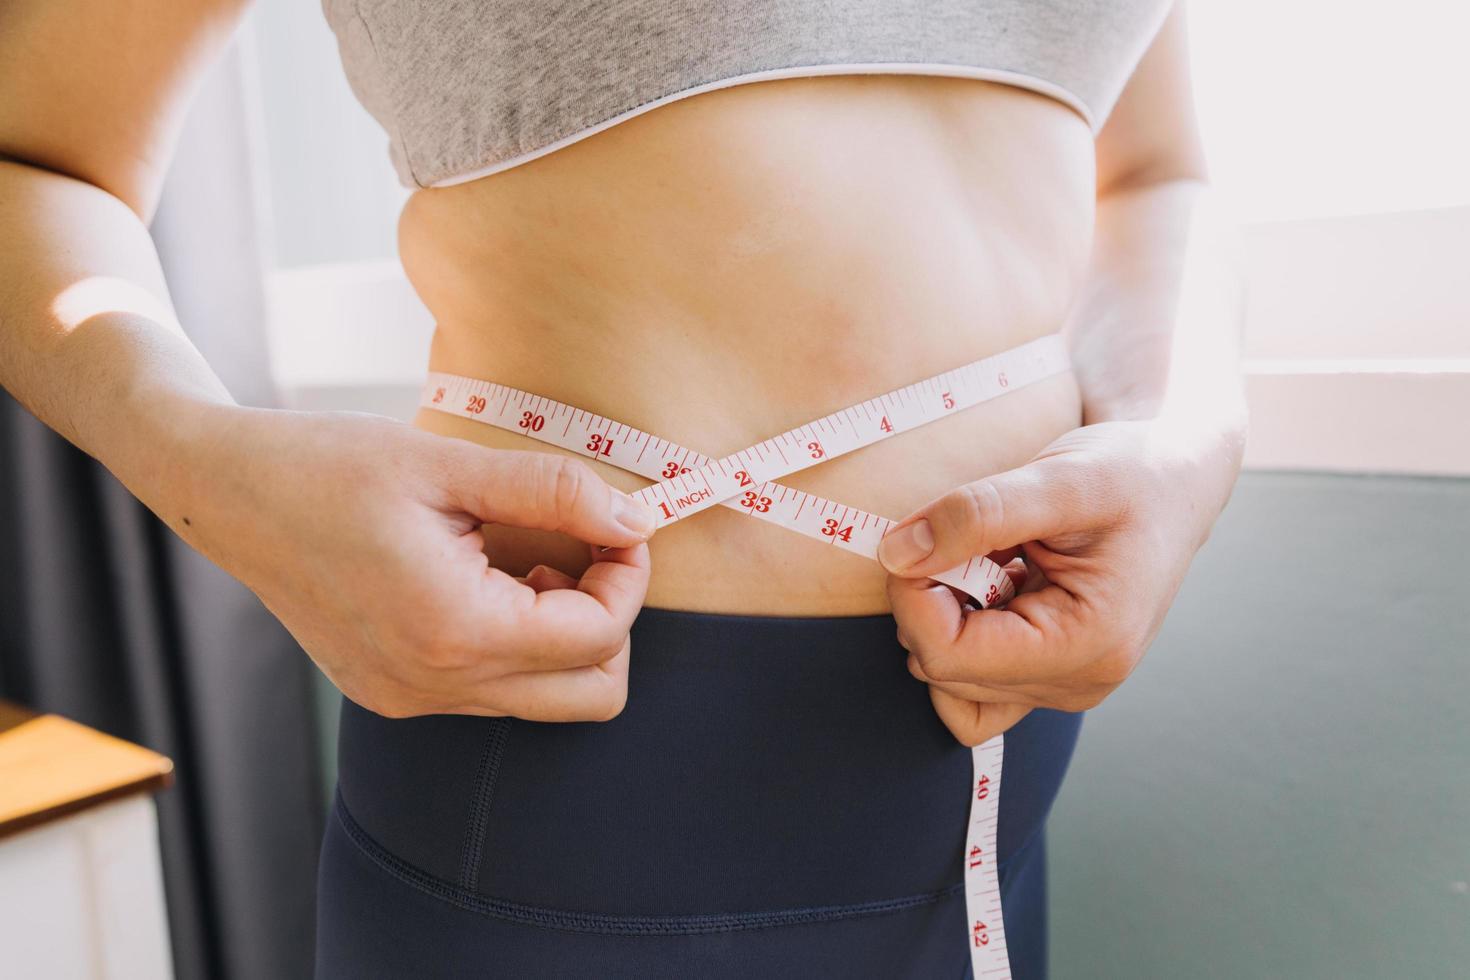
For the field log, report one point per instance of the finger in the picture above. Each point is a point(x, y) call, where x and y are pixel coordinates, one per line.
point(595, 693)
point(928, 613)
point(1042, 498)
point(970, 692)
point(1011, 647)
point(575, 624)
point(618, 578)
point(544, 577)
point(1005, 555)
point(930, 624)
point(547, 493)
point(1019, 573)
point(975, 723)
point(559, 628)
point(1034, 579)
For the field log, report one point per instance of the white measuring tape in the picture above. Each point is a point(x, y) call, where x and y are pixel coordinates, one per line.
point(688, 482)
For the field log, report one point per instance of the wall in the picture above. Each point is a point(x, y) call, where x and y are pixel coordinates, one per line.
point(330, 189)
point(1282, 789)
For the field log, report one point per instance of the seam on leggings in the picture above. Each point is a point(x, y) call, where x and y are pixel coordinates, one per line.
point(609, 924)
point(485, 779)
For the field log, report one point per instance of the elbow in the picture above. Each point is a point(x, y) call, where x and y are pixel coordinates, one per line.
point(129, 185)
point(1182, 169)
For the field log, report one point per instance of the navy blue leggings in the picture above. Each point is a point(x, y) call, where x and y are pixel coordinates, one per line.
point(777, 799)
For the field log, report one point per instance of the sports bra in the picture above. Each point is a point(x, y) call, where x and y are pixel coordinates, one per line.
point(468, 88)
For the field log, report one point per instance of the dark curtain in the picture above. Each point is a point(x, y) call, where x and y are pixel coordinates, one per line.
point(108, 618)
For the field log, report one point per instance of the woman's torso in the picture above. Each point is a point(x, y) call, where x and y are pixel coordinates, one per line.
point(716, 271)
point(736, 263)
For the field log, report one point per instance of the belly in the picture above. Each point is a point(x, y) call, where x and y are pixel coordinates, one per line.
point(731, 265)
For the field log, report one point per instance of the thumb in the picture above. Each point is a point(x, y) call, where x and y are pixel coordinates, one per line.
point(1047, 496)
point(546, 493)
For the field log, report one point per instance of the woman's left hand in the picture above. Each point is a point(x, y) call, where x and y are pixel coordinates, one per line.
point(1108, 518)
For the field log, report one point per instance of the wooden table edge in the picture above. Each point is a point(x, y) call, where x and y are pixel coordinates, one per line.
point(150, 784)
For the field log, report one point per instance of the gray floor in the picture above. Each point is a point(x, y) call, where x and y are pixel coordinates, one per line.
point(1283, 788)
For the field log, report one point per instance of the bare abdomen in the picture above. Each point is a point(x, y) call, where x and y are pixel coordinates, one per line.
point(731, 265)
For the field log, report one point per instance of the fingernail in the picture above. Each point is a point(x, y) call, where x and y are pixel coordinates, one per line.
point(633, 514)
point(907, 546)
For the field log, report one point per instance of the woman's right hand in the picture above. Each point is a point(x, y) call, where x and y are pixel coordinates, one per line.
point(361, 534)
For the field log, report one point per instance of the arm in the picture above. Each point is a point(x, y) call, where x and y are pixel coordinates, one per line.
point(361, 534)
point(1108, 516)
point(92, 96)
point(1156, 331)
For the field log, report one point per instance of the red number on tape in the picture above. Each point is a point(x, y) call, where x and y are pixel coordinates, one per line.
point(532, 421)
point(762, 504)
point(830, 529)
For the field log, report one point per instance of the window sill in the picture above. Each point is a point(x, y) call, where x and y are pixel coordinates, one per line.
point(1361, 416)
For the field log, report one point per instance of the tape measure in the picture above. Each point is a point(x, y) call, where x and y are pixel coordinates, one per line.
point(688, 482)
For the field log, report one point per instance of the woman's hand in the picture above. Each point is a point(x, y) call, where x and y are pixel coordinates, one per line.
point(1108, 518)
point(362, 535)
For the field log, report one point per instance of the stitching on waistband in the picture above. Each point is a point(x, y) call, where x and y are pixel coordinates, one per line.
point(608, 924)
point(484, 792)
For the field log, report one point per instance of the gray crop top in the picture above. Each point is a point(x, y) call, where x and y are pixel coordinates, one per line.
point(467, 88)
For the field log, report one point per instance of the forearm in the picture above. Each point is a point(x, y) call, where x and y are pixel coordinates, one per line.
point(1156, 332)
point(1157, 327)
point(88, 339)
